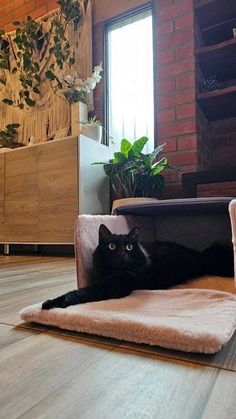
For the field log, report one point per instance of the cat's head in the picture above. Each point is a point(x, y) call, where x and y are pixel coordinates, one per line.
point(118, 252)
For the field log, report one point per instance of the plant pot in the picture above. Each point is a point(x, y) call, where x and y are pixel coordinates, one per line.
point(131, 201)
point(79, 113)
point(92, 131)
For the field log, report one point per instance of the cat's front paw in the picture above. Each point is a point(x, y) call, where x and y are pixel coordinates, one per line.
point(47, 305)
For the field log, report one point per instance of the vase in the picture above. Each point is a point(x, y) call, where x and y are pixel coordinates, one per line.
point(79, 113)
point(92, 131)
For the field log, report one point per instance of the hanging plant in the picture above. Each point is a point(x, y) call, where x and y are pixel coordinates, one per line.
point(27, 45)
point(8, 137)
point(4, 57)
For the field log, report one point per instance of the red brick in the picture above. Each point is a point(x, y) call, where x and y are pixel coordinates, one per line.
point(176, 38)
point(9, 27)
point(6, 19)
point(11, 6)
point(184, 158)
point(186, 81)
point(166, 27)
point(166, 115)
point(170, 144)
point(174, 10)
point(176, 68)
point(171, 129)
point(184, 51)
point(186, 111)
point(40, 3)
point(52, 4)
point(38, 12)
point(165, 86)
point(177, 98)
point(164, 3)
point(166, 56)
point(24, 10)
point(173, 190)
point(187, 142)
point(169, 175)
point(184, 21)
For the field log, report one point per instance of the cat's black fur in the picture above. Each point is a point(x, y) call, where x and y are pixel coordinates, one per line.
point(122, 265)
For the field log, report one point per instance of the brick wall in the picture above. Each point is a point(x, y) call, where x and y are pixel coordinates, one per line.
point(175, 88)
point(223, 143)
point(11, 10)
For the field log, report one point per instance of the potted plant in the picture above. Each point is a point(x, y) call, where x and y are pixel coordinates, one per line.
point(135, 174)
point(92, 128)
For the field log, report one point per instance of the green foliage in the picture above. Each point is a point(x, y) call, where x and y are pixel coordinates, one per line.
point(9, 136)
point(29, 40)
point(133, 173)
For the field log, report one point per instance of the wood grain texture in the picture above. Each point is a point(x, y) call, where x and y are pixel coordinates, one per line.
point(21, 195)
point(51, 373)
point(2, 192)
point(107, 9)
point(58, 191)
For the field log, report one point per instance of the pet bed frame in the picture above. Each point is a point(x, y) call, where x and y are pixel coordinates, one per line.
point(187, 318)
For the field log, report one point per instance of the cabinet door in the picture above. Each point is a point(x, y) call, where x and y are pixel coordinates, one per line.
point(21, 194)
point(58, 186)
point(2, 191)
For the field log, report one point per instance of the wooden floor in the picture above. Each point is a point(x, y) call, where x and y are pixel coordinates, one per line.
point(48, 373)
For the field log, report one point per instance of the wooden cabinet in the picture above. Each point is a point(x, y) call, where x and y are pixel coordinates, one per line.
point(21, 195)
point(44, 187)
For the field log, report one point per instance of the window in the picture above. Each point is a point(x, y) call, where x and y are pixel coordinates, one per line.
point(129, 101)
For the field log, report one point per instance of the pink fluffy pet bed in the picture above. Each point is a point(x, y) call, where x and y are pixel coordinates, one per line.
point(199, 317)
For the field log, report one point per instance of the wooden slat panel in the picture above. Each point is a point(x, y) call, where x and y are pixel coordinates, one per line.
point(58, 188)
point(2, 183)
point(21, 194)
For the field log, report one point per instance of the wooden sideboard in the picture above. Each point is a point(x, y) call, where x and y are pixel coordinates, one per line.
point(45, 186)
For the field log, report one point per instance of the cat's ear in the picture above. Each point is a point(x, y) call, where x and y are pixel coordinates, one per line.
point(104, 233)
point(134, 233)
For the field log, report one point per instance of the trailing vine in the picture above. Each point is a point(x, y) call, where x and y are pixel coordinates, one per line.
point(26, 46)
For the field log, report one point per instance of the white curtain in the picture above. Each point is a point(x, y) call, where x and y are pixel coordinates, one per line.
point(130, 80)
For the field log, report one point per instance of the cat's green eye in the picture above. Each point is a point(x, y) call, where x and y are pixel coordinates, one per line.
point(112, 246)
point(129, 247)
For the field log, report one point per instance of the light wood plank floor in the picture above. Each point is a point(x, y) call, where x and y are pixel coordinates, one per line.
point(48, 373)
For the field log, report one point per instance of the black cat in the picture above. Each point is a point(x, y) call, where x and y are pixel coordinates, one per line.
point(122, 264)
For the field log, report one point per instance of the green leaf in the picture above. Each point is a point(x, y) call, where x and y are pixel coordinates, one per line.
point(8, 102)
point(159, 166)
point(4, 64)
point(119, 157)
point(125, 147)
point(29, 101)
point(36, 66)
point(12, 126)
point(3, 81)
point(50, 75)
point(137, 147)
point(16, 23)
point(156, 151)
point(36, 90)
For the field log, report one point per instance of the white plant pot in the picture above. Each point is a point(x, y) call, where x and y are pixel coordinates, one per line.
point(79, 113)
point(92, 131)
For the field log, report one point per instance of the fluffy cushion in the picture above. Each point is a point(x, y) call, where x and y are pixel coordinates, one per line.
point(191, 320)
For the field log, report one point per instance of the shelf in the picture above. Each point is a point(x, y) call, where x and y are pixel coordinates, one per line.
point(218, 60)
point(216, 19)
point(218, 104)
